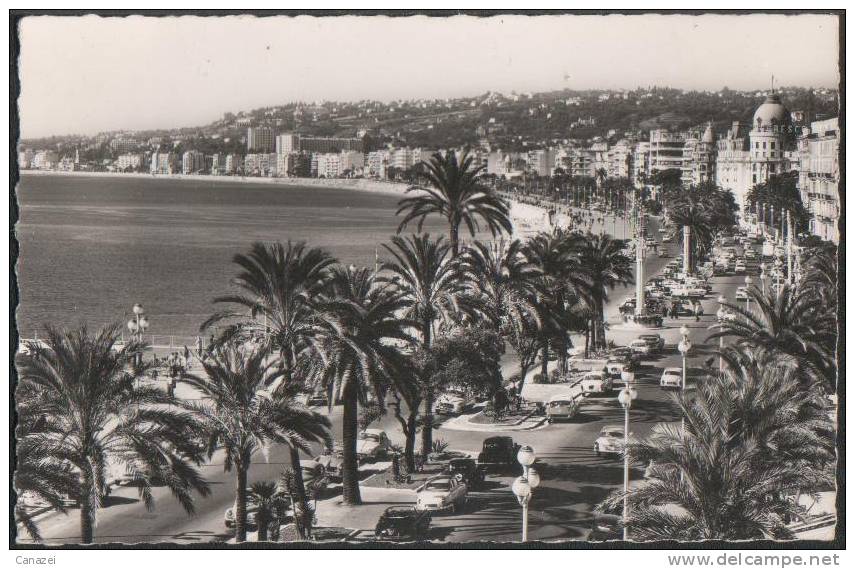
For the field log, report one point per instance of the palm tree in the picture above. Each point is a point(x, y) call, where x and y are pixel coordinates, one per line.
point(604, 265)
point(242, 411)
point(726, 474)
point(93, 414)
point(268, 500)
point(359, 353)
point(454, 191)
point(788, 322)
point(433, 288)
point(280, 288)
point(559, 285)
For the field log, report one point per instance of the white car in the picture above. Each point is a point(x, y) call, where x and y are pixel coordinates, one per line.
point(596, 382)
point(742, 293)
point(672, 377)
point(372, 444)
point(452, 402)
point(442, 493)
point(740, 267)
point(610, 441)
point(561, 407)
point(640, 347)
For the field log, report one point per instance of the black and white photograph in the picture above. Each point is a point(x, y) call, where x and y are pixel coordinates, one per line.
point(426, 280)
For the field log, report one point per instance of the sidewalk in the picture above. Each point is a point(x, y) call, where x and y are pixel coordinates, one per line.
point(333, 513)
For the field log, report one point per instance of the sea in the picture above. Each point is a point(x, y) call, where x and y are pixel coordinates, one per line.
point(92, 247)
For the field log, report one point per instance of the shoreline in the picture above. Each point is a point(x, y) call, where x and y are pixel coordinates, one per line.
point(528, 219)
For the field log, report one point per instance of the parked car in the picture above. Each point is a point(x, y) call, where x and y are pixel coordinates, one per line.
point(442, 493)
point(372, 444)
point(616, 367)
point(672, 377)
point(740, 266)
point(561, 408)
point(596, 382)
point(655, 341)
point(403, 522)
point(319, 400)
point(625, 354)
point(640, 347)
point(605, 527)
point(498, 451)
point(452, 402)
point(331, 461)
point(472, 473)
point(742, 293)
point(610, 441)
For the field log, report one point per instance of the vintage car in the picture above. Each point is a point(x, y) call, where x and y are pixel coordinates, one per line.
point(561, 408)
point(471, 472)
point(640, 347)
point(331, 461)
point(499, 452)
point(442, 493)
point(624, 354)
point(672, 378)
point(452, 402)
point(742, 293)
point(655, 341)
point(596, 382)
point(403, 523)
point(616, 367)
point(372, 444)
point(610, 441)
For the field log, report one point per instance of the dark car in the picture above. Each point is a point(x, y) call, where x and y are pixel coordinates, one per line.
point(402, 522)
point(499, 452)
point(605, 527)
point(472, 472)
point(625, 355)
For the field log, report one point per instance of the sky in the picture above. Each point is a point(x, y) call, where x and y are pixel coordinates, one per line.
point(84, 75)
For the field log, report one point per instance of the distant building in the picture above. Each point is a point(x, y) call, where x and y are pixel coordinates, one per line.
point(327, 165)
point(326, 145)
point(666, 151)
point(746, 158)
point(287, 142)
point(620, 159)
point(193, 162)
point(164, 163)
point(130, 162)
point(377, 164)
point(66, 164)
point(640, 163)
point(819, 176)
point(261, 164)
point(699, 158)
point(260, 139)
point(286, 164)
point(45, 160)
point(234, 164)
point(218, 164)
point(25, 159)
point(541, 162)
point(124, 144)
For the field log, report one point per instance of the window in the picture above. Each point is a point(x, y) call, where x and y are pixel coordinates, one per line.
point(772, 145)
point(764, 144)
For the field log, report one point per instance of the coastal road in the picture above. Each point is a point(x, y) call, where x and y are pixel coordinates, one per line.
point(574, 480)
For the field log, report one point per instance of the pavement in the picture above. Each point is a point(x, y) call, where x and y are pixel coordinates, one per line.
point(574, 479)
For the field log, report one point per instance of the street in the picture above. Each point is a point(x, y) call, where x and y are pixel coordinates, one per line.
point(574, 479)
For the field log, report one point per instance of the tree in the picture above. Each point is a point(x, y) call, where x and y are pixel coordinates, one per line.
point(280, 290)
point(359, 353)
point(454, 191)
point(86, 412)
point(242, 411)
point(781, 192)
point(788, 322)
point(749, 439)
point(704, 209)
point(433, 288)
point(268, 501)
point(604, 265)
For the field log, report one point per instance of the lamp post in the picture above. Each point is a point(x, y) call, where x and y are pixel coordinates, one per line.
point(748, 281)
point(722, 316)
point(138, 324)
point(684, 346)
point(625, 397)
point(524, 484)
point(763, 277)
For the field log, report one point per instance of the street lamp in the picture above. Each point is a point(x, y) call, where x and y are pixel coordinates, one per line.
point(523, 485)
point(138, 324)
point(684, 346)
point(763, 277)
point(722, 316)
point(748, 281)
point(625, 397)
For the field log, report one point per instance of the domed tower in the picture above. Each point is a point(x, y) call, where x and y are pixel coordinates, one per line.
point(768, 139)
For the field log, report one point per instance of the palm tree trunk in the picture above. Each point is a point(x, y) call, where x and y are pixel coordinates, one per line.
point(454, 239)
point(240, 503)
point(263, 523)
point(87, 511)
point(427, 429)
point(410, 442)
point(588, 337)
point(299, 486)
point(544, 359)
point(349, 428)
